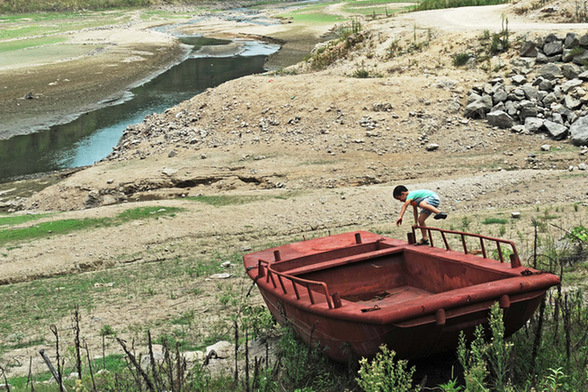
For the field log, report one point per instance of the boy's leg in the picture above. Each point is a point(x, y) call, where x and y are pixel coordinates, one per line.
point(432, 207)
point(422, 218)
point(428, 207)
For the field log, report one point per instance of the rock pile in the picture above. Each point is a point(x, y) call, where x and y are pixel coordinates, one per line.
point(547, 91)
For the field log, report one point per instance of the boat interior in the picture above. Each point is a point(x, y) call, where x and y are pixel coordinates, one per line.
point(385, 274)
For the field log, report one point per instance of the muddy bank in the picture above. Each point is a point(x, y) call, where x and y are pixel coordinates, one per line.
point(54, 84)
point(36, 97)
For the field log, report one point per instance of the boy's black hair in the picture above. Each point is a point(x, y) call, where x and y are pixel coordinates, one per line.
point(398, 190)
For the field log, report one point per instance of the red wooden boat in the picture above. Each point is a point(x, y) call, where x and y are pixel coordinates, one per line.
point(355, 291)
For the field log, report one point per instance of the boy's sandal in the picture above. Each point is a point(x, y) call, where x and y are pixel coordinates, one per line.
point(440, 215)
point(422, 242)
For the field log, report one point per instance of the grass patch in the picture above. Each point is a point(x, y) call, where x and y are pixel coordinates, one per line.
point(494, 221)
point(220, 201)
point(113, 363)
point(461, 59)
point(439, 4)
point(65, 226)
point(30, 43)
point(313, 15)
point(28, 6)
point(18, 219)
point(375, 7)
point(30, 307)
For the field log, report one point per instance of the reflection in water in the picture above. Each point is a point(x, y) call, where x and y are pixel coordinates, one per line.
point(92, 136)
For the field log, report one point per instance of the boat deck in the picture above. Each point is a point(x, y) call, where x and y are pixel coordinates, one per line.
point(389, 297)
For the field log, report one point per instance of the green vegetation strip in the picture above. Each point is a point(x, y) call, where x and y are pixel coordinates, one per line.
point(20, 6)
point(439, 4)
point(219, 201)
point(313, 15)
point(60, 227)
point(19, 219)
point(112, 363)
point(30, 43)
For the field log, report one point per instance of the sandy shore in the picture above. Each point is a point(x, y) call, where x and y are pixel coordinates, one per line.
point(56, 83)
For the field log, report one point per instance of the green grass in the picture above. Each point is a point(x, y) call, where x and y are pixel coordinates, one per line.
point(29, 43)
point(65, 226)
point(493, 221)
point(20, 6)
point(439, 4)
point(18, 219)
point(112, 363)
point(374, 7)
point(43, 24)
point(313, 14)
point(219, 201)
point(30, 307)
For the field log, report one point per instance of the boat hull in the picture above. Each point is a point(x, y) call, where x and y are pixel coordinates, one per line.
point(352, 298)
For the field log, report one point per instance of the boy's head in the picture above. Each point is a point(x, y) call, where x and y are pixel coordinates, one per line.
point(400, 192)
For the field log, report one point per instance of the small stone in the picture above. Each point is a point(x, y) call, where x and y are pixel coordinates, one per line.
point(169, 172)
point(545, 147)
point(515, 215)
point(432, 147)
point(220, 276)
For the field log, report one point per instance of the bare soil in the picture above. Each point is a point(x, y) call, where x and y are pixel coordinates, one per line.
point(314, 151)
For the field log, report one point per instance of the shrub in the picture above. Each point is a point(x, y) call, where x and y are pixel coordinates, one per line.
point(361, 73)
point(461, 59)
point(384, 374)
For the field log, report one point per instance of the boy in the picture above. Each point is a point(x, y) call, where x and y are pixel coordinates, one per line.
point(427, 200)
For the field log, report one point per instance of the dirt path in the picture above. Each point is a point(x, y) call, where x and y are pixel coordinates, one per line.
point(492, 18)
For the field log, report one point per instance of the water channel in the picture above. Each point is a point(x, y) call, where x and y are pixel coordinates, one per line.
point(92, 136)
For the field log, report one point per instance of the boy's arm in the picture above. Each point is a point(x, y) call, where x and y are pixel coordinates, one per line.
point(402, 211)
point(416, 215)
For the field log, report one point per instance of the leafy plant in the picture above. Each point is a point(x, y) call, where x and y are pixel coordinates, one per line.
point(361, 73)
point(384, 374)
point(461, 59)
point(475, 367)
point(578, 233)
point(107, 330)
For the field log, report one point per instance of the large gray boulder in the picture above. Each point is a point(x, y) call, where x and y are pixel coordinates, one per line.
point(571, 102)
point(529, 49)
point(579, 131)
point(530, 92)
point(550, 71)
point(499, 96)
point(500, 119)
point(570, 84)
point(581, 59)
point(533, 124)
point(528, 109)
point(571, 71)
point(557, 131)
point(553, 48)
point(571, 40)
point(479, 107)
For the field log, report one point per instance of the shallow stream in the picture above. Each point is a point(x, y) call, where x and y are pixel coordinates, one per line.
point(92, 136)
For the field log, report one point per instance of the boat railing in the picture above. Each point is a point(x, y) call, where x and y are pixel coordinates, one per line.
point(265, 269)
point(514, 256)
